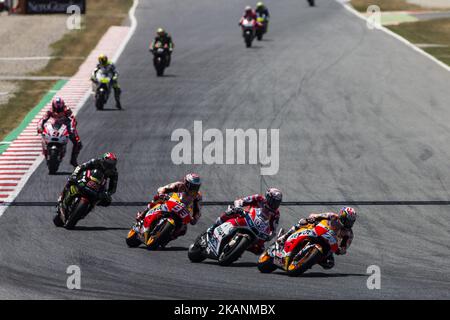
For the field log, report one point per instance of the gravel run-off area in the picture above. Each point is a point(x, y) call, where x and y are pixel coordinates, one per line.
point(26, 36)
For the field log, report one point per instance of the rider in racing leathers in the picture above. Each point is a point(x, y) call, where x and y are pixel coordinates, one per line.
point(249, 13)
point(261, 10)
point(341, 223)
point(60, 112)
point(189, 187)
point(166, 40)
point(105, 64)
point(106, 163)
point(269, 205)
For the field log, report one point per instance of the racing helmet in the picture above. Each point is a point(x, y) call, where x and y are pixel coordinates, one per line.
point(192, 182)
point(259, 5)
point(58, 105)
point(160, 32)
point(103, 59)
point(347, 216)
point(248, 10)
point(109, 161)
point(273, 198)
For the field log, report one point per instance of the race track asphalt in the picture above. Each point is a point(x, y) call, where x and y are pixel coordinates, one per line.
point(362, 117)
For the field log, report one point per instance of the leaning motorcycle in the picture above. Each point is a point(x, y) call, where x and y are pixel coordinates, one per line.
point(54, 143)
point(229, 240)
point(248, 31)
point(81, 198)
point(170, 214)
point(302, 250)
point(160, 58)
point(261, 26)
point(103, 88)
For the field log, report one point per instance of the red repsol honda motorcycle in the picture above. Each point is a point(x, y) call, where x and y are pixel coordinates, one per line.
point(166, 216)
point(302, 250)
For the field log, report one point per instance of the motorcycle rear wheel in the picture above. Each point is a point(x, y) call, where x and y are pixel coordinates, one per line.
point(132, 239)
point(53, 162)
point(195, 251)
point(227, 258)
point(265, 264)
point(57, 221)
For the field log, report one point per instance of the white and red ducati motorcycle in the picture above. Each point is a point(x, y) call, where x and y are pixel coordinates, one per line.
point(229, 240)
point(54, 143)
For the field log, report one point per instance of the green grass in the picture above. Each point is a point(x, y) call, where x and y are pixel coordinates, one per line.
point(385, 5)
point(100, 15)
point(435, 31)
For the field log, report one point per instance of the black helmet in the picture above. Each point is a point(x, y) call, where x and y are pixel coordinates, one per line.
point(109, 160)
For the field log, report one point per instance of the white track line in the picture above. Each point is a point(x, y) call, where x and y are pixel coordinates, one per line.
point(87, 93)
point(393, 34)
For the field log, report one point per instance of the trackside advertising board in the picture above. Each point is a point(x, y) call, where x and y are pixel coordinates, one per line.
point(53, 6)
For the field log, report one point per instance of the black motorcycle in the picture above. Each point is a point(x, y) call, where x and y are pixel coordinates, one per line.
point(81, 198)
point(160, 57)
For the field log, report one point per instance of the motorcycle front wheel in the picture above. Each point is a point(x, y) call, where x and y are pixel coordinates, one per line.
point(80, 210)
point(53, 162)
point(306, 262)
point(161, 236)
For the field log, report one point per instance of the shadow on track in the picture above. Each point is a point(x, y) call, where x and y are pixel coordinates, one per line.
point(84, 228)
point(324, 275)
point(62, 173)
point(234, 264)
point(175, 248)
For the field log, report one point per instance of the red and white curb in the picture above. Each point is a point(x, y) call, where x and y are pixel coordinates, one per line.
point(24, 154)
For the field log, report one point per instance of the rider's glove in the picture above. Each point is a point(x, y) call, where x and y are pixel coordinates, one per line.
point(39, 130)
point(163, 196)
point(73, 179)
point(140, 215)
point(238, 203)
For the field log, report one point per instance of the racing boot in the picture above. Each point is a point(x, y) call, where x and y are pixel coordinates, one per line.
point(73, 159)
point(169, 58)
point(211, 229)
point(328, 262)
point(117, 92)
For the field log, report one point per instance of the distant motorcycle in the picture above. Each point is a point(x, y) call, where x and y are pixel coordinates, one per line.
point(80, 199)
point(302, 250)
point(261, 26)
point(248, 31)
point(103, 88)
point(229, 240)
point(54, 143)
point(160, 56)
